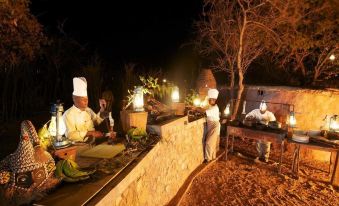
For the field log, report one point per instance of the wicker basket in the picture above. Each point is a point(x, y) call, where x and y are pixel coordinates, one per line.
point(205, 81)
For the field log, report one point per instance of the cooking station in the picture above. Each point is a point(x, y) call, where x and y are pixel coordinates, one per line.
point(275, 136)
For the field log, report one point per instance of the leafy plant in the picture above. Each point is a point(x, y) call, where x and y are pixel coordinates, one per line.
point(191, 96)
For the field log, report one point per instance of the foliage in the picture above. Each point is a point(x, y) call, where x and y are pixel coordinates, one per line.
point(136, 133)
point(21, 34)
point(191, 96)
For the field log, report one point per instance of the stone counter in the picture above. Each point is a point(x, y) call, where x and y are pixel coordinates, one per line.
point(160, 174)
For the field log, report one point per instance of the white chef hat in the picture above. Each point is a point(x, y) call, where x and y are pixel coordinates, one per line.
point(212, 93)
point(263, 106)
point(80, 87)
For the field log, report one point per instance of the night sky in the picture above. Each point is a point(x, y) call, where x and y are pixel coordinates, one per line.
point(123, 31)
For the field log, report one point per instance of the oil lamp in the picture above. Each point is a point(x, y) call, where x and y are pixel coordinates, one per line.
point(227, 110)
point(175, 94)
point(292, 120)
point(334, 124)
point(138, 101)
point(57, 127)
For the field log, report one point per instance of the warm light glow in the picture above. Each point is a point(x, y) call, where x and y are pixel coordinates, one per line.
point(227, 110)
point(332, 57)
point(292, 120)
point(204, 103)
point(196, 102)
point(334, 125)
point(138, 101)
point(164, 80)
point(175, 94)
point(52, 126)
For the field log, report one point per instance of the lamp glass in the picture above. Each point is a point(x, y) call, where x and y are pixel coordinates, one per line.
point(227, 110)
point(334, 124)
point(138, 101)
point(175, 94)
point(292, 120)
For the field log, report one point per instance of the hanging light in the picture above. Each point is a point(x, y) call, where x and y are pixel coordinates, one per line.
point(175, 94)
point(138, 101)
point(164, 80)
point(334, 124)
point(196, 102)
point(292, 120)
point(57, 127)
point(227, 111)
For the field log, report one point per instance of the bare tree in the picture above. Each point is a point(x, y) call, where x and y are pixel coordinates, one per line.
point(237, 32)
point(309, 36)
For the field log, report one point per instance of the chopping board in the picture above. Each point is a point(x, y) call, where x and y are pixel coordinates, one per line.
point(104, 151)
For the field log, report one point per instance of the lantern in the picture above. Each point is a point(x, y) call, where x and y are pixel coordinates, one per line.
point(57, 127)
point(334, 124)
point(175, 94)
point(196, 102)
point(292, 120)
point(138, 101)
point(332, 57)
point(227, 110)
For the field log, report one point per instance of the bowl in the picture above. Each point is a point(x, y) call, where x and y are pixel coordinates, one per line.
point(301, 138)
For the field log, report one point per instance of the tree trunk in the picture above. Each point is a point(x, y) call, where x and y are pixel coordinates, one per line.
point(240, 91)
point(240, 69)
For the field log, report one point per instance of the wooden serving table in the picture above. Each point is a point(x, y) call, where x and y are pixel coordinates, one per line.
point(314, 146)
point(275, 136)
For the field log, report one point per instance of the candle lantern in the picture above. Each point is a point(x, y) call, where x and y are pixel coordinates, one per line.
point(138, 101)
point(292, 120)
point(227, 111)
point(334, 123)
point(175, 94)
point(57, 127)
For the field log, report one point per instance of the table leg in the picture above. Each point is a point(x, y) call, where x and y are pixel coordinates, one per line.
point(329, 168)
point(232, 143)
point(226, 147)
point(281, 156)
point(294, 159)
point(298, 159)
point(335, 167)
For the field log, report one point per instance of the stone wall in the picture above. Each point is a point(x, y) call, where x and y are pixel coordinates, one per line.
point(160, 174)
point(311, 107)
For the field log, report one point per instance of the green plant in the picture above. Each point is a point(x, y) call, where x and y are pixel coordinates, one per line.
point(191, 96)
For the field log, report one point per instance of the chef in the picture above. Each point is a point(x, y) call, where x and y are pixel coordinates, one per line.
point(263, 116)
point(213, 126)
point(80, 119)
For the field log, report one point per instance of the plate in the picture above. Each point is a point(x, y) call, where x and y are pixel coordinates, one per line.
point(301, 138)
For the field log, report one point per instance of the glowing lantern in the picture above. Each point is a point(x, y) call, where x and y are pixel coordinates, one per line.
point(138, 101)
point(57, 127)
point(227, 111)
point(292, 120)
point(334, 124)
point(196, 102)
point(175, 94)
point(332, 57)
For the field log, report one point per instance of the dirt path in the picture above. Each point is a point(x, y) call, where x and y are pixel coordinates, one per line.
point(243, 182)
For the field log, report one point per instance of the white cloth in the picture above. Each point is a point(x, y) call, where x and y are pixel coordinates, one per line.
point(211, 140)
point(263, 106)
point(79, 87)
point(79, 122)
point(266, 117)
point(212, 113)
point(213, 93)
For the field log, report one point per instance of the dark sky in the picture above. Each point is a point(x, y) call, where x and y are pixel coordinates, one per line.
point(125, 30)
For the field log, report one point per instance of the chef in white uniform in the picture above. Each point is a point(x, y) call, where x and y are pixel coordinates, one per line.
point(213, 126)
point(80, 119)
point(264, 116)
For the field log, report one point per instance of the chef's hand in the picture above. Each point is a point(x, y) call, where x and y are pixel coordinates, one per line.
point(95, 134)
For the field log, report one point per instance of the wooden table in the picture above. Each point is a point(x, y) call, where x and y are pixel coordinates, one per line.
point(313, 146)
point(275, 137)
